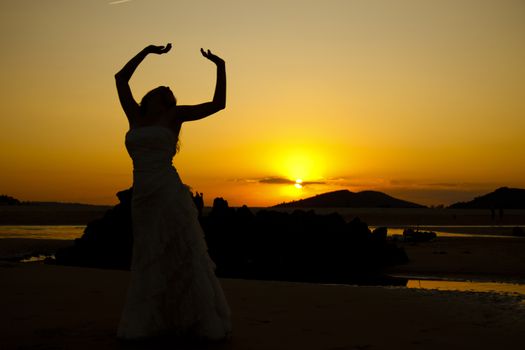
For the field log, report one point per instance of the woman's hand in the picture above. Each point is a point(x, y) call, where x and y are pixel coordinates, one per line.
point(159, 50)
point(215, 59)
point(196, 112)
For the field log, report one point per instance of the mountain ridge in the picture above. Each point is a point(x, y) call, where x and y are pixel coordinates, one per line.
point(501, 198)
point(349, 199)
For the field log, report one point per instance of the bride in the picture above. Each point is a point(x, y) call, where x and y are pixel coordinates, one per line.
point(173, 289)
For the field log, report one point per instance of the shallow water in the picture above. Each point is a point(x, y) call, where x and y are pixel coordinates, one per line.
point(75, 231)
point(468, 286)
point(67, 232)
point(396, 231)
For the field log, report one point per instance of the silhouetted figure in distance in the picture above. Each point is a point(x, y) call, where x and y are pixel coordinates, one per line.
point(199, 202)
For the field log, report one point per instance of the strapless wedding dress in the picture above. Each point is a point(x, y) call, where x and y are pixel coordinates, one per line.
point(173, 288)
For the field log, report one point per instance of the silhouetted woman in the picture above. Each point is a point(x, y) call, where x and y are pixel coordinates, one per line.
point(173, 289)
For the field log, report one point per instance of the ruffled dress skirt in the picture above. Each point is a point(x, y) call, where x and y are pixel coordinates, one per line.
point(173, 289)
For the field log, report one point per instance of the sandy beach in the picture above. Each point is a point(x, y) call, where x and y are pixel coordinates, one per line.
point(56, 307)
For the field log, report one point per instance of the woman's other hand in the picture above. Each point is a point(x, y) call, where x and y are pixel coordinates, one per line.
point(215, 59)
point(159, 50)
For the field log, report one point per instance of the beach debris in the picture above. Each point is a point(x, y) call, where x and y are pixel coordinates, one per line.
point(417, 236)
point(518, 231)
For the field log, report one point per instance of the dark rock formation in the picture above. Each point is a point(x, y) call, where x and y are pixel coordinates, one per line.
point(107, 242)
point(416, 236)
point(301, 246)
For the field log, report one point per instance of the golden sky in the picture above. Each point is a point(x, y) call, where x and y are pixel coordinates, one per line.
point(424, 100)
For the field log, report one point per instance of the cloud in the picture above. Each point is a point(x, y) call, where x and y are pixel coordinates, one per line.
point(304, 183)
point(445, 185)
point(117, 2)
point(275, 180)
point(436, 186)
point(357, 183)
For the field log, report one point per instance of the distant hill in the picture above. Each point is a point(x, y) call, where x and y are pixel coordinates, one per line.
point(8, 200)
point(504, 197)
point(348, 199)
point(64, 204)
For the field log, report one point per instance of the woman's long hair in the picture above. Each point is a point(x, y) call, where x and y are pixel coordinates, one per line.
point(166, 96)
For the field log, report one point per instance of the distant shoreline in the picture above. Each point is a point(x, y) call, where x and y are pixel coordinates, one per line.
point(398, 217)
point(78, 214)
point(51, 214)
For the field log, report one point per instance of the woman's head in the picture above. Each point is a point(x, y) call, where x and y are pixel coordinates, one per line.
point(157, 101)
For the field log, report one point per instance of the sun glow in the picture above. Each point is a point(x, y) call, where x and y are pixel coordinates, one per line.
point(300, 164)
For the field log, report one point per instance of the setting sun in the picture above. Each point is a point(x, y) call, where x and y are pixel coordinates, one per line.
point(301, 163)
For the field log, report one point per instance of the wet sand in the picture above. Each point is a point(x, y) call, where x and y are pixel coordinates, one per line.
point(12, 248)
point(477, 258)
point(56, 307)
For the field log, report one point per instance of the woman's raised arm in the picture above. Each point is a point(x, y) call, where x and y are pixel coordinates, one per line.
point(129, 105)
point(188, 113)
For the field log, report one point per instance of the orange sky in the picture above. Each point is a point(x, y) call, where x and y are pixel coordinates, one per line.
point(423, 100)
